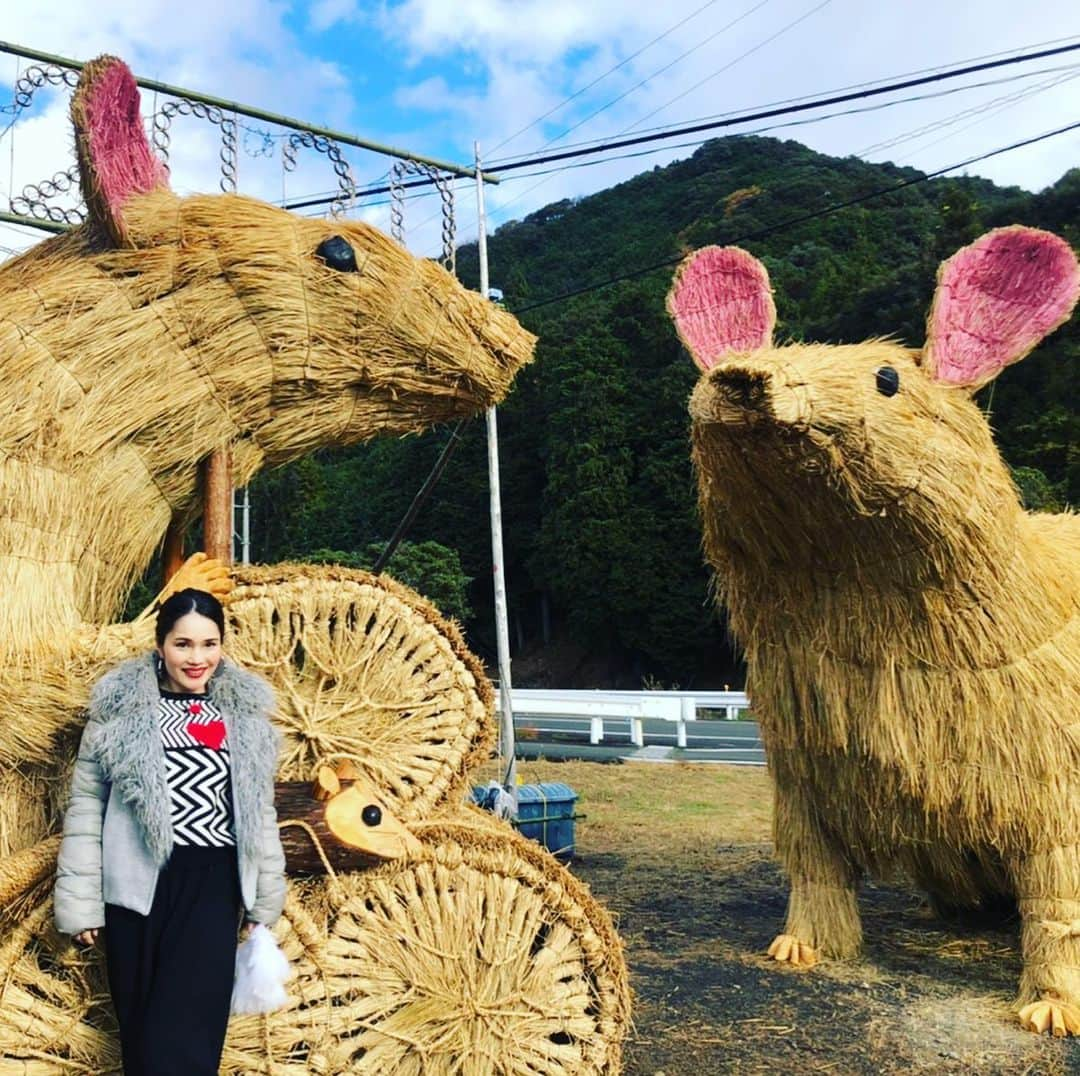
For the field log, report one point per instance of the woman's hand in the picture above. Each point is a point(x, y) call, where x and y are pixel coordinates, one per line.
point(247, 928)
point(87, 937)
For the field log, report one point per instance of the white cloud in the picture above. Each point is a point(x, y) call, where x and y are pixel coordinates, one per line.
point(242, 50)
point(324, 14)
point(529, 31)
point(534, 55)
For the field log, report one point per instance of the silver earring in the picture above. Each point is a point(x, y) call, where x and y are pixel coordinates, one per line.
point(159, 665)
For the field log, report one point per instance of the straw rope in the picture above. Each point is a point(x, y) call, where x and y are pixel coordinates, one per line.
point(21, 872)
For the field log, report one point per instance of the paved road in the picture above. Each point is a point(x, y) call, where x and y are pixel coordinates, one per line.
point(707, 741)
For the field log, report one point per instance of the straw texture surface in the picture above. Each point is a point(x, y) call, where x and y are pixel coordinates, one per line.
point(481, 956)
point(134, 347)
point(366, 670)
point(912, 635)
point(165, 329)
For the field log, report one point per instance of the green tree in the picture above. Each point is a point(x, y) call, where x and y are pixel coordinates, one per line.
point(430, 568)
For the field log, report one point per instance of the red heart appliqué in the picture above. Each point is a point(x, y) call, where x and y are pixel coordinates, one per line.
point(211, 735)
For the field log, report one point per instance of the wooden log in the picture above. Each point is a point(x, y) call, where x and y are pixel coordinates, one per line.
point(377, 835)
point(218, 505)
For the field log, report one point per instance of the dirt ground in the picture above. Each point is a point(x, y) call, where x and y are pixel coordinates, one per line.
point(681, 857)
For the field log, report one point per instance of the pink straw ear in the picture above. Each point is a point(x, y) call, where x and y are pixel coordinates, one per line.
point(115, 159)
point(722, 304)
point(995, 300)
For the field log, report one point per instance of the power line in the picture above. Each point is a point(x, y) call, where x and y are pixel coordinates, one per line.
point(802, 219)
point(600, 78)
point(1004, 102)
point(774, 191)
point(770, 113)
point(666, 67)
point(494, 163)
point(738, 59)
point(1073, 69)
point(322, 197)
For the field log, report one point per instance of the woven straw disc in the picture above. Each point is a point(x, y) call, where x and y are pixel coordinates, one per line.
point(364, 668)
point(55, 1014)
point(481, 956)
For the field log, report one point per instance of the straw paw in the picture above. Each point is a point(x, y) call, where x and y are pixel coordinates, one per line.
point(1053, 1015)
point(200, 572)
point(787, 949)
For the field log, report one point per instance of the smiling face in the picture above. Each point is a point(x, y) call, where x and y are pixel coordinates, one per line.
point(191, 652)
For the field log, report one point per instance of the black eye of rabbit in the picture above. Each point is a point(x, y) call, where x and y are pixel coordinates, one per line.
point(337, 253)
point(888, 381)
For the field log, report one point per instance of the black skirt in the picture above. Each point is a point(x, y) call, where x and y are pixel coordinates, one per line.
point(171, 972)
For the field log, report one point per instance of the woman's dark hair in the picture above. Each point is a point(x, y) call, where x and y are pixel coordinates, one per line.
point(187, 601)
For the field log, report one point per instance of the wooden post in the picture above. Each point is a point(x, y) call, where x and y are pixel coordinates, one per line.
point(218, 506)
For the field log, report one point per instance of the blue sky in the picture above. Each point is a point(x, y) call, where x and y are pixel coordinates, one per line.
point(437, 75)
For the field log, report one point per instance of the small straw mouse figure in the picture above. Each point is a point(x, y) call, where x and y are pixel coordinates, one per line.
point(912, 634)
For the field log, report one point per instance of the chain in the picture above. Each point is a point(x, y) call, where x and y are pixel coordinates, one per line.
point(446, 194)
point(34, 78)
point(34, 200)
point(35, 197)
point(346, 182)
point(228, 155)
point(162, 134)
point(265, 145)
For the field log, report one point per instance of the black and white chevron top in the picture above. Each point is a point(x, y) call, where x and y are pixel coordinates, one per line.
point(197, 766)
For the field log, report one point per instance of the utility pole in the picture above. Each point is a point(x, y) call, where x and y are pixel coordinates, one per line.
point(502, 632)
point(242, 533)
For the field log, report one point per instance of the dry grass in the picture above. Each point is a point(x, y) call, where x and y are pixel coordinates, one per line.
point(218, 323)
point(662, 811)
point(680, 856)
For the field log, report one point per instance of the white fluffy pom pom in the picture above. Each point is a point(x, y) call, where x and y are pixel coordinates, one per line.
point(261, 972)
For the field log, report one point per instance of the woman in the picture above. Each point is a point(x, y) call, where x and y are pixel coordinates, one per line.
point(171, 835)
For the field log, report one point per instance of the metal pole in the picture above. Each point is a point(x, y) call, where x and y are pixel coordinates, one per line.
point(242, 533)
point(245, 531)
point(33, 222)
point(502, 632)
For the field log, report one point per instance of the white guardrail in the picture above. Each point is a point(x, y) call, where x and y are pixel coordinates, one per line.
point(677, 706)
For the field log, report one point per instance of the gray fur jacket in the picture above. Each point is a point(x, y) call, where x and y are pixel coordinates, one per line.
point(118, 829)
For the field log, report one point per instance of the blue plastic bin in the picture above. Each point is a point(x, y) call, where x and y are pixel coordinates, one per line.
point(545, 814)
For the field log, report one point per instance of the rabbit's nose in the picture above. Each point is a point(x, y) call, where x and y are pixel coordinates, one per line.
point(742, 389)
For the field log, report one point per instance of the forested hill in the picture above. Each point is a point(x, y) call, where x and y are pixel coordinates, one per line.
point(604, 568)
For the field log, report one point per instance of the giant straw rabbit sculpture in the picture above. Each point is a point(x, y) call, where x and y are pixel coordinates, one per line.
point(912, 634)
